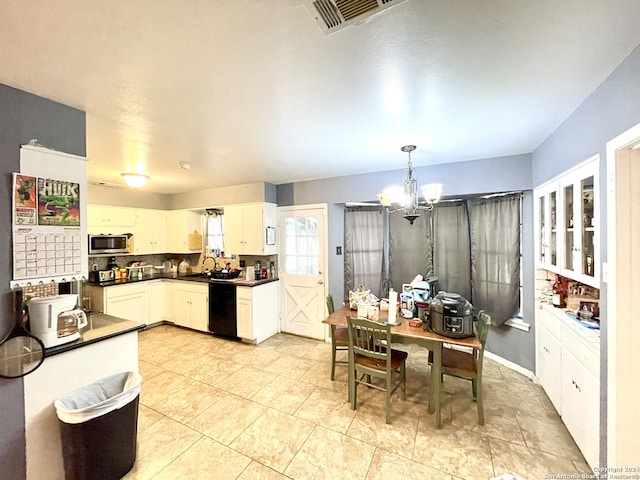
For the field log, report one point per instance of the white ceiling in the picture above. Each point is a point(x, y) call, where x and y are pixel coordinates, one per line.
point(250, 90)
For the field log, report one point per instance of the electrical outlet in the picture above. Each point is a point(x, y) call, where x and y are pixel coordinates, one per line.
point(338, 250)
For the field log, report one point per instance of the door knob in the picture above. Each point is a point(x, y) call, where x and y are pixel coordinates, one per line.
point(320, 282)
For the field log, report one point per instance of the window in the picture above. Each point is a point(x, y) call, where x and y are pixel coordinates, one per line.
point(301, 245)
point(215, 231)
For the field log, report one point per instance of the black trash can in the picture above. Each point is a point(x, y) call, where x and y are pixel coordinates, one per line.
point(98, 428)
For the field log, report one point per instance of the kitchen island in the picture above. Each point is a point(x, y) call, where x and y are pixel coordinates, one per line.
point(108, 345)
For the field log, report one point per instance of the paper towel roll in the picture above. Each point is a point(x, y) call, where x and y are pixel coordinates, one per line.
point(393, 305)
point(416, 279)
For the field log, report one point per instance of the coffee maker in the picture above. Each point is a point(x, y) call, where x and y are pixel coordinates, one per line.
point(55, 320)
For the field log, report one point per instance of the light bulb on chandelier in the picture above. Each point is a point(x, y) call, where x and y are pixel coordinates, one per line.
point(405, 199)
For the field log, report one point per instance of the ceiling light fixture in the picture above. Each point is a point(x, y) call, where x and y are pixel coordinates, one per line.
point(184, 165)
point(135, 180)
point(405, 199)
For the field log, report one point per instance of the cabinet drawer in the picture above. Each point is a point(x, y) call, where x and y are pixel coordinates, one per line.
point(191, 287)
point(585, 355)
point(122, 290)
point(548, 319)
point(243, 293)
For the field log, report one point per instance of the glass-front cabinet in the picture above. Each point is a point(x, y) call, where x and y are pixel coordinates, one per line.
point(579, 195)
point(567, 216)
point(546, 214)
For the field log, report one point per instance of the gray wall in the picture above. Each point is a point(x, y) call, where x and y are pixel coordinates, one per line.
point(503, 174)
point(24, 116)
point(611, 110)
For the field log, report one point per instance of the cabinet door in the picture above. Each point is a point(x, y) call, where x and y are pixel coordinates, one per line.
point(131, 307)
point(580, 406)
point(254, 234)
point(234, 229)
point(180, 225)
point(181, 308)
point(156, 293)
point(199, 310)
point(546, 215)
point(159, 230)
point(548, 366)
point(580, 212)
point(244, 317)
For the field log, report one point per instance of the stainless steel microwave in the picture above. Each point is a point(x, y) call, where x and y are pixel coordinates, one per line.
point(109, 244)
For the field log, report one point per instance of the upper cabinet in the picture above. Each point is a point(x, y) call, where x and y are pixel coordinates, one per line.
point(567, 232)
point(184, 231)
point(250, 229)
point(150, 232)
point(106, 219)
point(546, 214)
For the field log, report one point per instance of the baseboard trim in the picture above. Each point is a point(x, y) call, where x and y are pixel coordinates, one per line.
point(513, 366)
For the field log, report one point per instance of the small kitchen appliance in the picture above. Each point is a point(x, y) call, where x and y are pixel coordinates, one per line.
point(100, 276)
point(451, 315)
point(101, 244)
point(55, 320)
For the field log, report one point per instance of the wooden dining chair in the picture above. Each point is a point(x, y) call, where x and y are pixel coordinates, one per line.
point(339, 339)
point(468, 365)
point(372, 356)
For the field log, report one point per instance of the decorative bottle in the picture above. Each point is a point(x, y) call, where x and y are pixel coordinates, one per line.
point(558, 294)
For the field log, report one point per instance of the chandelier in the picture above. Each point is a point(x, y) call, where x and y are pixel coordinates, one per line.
point(405, 199)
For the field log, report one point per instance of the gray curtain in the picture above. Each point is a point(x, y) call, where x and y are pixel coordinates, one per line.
point(451, 248)
point(408, 249)
point(495, 256)
point(364, 249)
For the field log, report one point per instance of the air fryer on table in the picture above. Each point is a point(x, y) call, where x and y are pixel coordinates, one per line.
point(403, 333)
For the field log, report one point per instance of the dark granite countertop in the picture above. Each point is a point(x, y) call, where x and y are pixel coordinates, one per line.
point(192, 277)
point(100, 327)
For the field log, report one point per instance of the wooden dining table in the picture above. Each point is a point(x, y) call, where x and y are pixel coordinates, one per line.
point(406, 334)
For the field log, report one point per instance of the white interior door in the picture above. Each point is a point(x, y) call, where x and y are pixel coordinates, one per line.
point(303, 260)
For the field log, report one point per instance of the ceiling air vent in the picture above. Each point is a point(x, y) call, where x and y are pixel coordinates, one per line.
point(334, 15)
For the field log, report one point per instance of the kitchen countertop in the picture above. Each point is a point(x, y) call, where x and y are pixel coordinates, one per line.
point(191, 277)
point(100, 327)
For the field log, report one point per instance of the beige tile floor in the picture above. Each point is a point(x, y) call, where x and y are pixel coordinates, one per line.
point(216, 409)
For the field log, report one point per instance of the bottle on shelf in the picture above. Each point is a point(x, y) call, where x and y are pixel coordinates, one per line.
point(558, 296)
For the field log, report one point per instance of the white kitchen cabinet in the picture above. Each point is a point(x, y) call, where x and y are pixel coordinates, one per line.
point(546, 218)
point(191, 305)
point(257, 312)
point(579, 221)
point(150, 232)
point(567, 214)
point(127, 301)
point(548, 358)
point(245, 228)
point(568, 368)
point(581, 406)
point(159, 300)
point(184, 231)
point(108, 219)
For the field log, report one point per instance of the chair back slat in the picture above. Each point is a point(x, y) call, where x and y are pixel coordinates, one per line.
point(370, 338)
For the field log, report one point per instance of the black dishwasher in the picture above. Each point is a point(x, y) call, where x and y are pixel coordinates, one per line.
point(222, 309)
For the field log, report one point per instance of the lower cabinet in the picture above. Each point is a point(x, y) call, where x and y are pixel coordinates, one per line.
point(568, 367)
point(160, 302)
point(191, 305)
point(548, 361)
point(257, 312)
point(125, 301)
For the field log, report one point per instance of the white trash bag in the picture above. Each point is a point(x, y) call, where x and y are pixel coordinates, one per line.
point(98, 398)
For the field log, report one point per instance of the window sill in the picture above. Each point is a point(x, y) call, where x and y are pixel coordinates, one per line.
point(519, 324)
